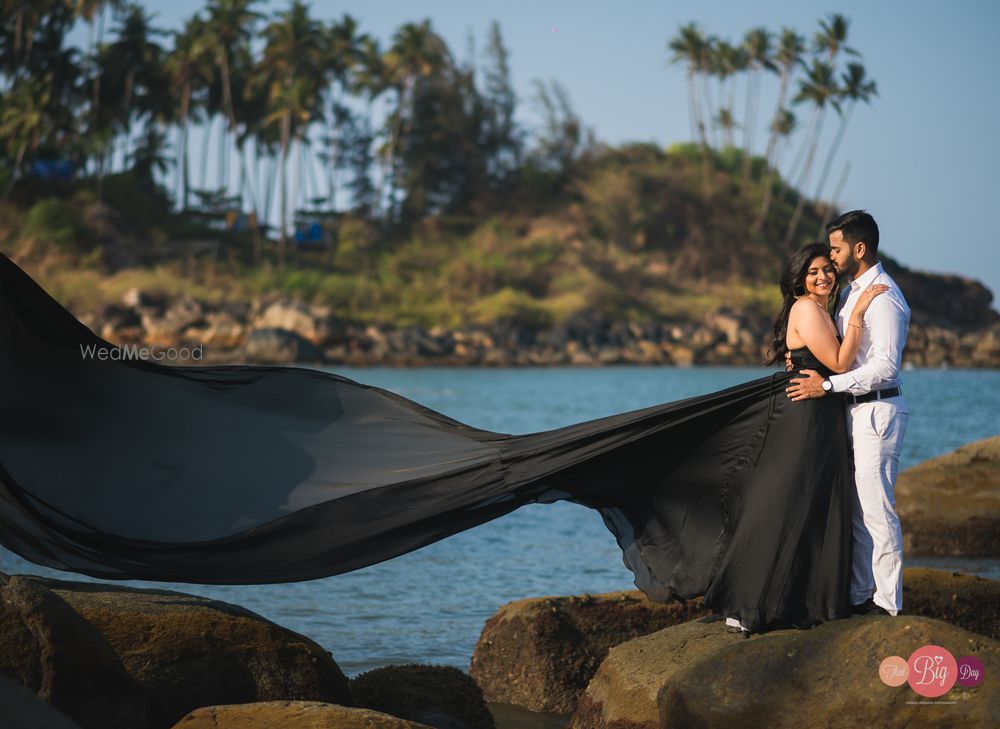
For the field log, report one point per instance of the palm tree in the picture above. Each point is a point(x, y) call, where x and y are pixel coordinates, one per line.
point(818, 88)
point(417, 52)
point(757, 45)
point(855, 88)
point(228, 28)
point(781, 128)
point(690, 46)
point(25, 119)
point(150, 156)
point(291, 68)
point(729, 60)
point(726, 122)
point(187, 69)
point(831, 38)
point(370, 79)
point(791, 47)
point(28, 16)
point(342, 55)
point(93, 11)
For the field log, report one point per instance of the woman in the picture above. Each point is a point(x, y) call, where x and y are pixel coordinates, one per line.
point(815, 522)
point(124, 468)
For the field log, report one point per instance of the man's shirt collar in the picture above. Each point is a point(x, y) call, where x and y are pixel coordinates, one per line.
point(867, 277)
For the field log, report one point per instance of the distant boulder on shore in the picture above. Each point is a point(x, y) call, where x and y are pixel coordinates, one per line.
point(950, 505)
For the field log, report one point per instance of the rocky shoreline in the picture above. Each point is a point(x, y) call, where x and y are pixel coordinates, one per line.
point(273, 330)
point(82, 655)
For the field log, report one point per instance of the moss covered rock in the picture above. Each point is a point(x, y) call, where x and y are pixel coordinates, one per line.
point(540, 653)
point(950, 505)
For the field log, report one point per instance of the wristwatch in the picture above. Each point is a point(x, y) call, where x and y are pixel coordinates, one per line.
point(827, 386)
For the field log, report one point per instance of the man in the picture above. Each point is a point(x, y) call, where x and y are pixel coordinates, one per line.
point(877, 412)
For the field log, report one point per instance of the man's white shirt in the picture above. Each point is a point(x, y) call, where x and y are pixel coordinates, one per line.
point(883, 335)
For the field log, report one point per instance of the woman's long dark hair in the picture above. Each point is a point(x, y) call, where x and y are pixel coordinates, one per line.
point(792, 284)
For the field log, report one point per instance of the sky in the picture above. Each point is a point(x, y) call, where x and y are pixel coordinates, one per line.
point(924, 156)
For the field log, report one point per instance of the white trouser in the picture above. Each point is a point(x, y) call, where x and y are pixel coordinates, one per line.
point(876, 432)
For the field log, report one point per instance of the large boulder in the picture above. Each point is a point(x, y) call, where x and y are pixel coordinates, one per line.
point(188, 651)
point(440, 696)
point(968, 601)
point(291, 715)
point(950, 505)
point(280, 346)
point(540, 653)
point(48, 648)
point(315, 323)
point(697, 674)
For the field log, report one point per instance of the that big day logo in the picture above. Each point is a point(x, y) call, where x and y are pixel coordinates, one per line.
point(931, 671)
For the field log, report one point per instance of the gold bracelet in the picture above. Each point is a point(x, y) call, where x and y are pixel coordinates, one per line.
point(852, 324)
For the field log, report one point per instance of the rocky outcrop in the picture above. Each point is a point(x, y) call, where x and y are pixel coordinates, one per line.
point(187, 651)
point(441, 696)
point(48, 648)
point(696, 674)
point(291, 715)
point(283, 331)
point(540, 653)
point(950, 505)
point(968, 601)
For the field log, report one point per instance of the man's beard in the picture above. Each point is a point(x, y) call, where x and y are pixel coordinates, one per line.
point(850, 268)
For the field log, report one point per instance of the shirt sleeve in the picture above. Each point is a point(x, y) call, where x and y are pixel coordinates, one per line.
point(887, 321)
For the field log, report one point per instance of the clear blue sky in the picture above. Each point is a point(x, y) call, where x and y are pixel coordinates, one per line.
point(924, 156)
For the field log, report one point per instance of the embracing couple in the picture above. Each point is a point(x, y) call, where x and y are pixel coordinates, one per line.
point(846, 346)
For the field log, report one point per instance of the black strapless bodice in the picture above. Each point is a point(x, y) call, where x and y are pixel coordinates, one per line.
point(804, 359)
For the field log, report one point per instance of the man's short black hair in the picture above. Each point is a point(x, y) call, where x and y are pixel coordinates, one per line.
point(856, 226)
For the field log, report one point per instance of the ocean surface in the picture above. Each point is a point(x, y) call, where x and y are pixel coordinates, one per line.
point(429, 606)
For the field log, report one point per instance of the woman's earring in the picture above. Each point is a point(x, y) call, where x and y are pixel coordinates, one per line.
point(799, 290)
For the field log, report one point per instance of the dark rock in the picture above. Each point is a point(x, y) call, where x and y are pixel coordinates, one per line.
point(440, 696)
point(188, 651)
point(968, 601)
point(540, 653)
point(48, 648)
point(280, 346)
point(699, 675)
point(948, 505)
point(291, 715)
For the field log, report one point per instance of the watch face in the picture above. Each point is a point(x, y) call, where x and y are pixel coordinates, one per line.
point(827, 385)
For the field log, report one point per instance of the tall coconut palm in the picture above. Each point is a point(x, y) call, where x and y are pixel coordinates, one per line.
point(188, 69)
point(370, 80)
point(25, 119)
point(781, 129)
point(856, 87)
point(93, 13)
point(292, 69)
point(788, 56)
point(819, 88)
point(729, 60)
point(229, 26)
point(28, 16)
point(417, 52)
point(727, 123)
point(757, 46)
point(691, 47)
point(342, 55)
point(133, 61)
point(831, 38)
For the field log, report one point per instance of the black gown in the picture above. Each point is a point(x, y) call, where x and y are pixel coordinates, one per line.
point(123, 468)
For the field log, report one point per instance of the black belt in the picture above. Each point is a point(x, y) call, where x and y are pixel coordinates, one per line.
point(873, 395)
